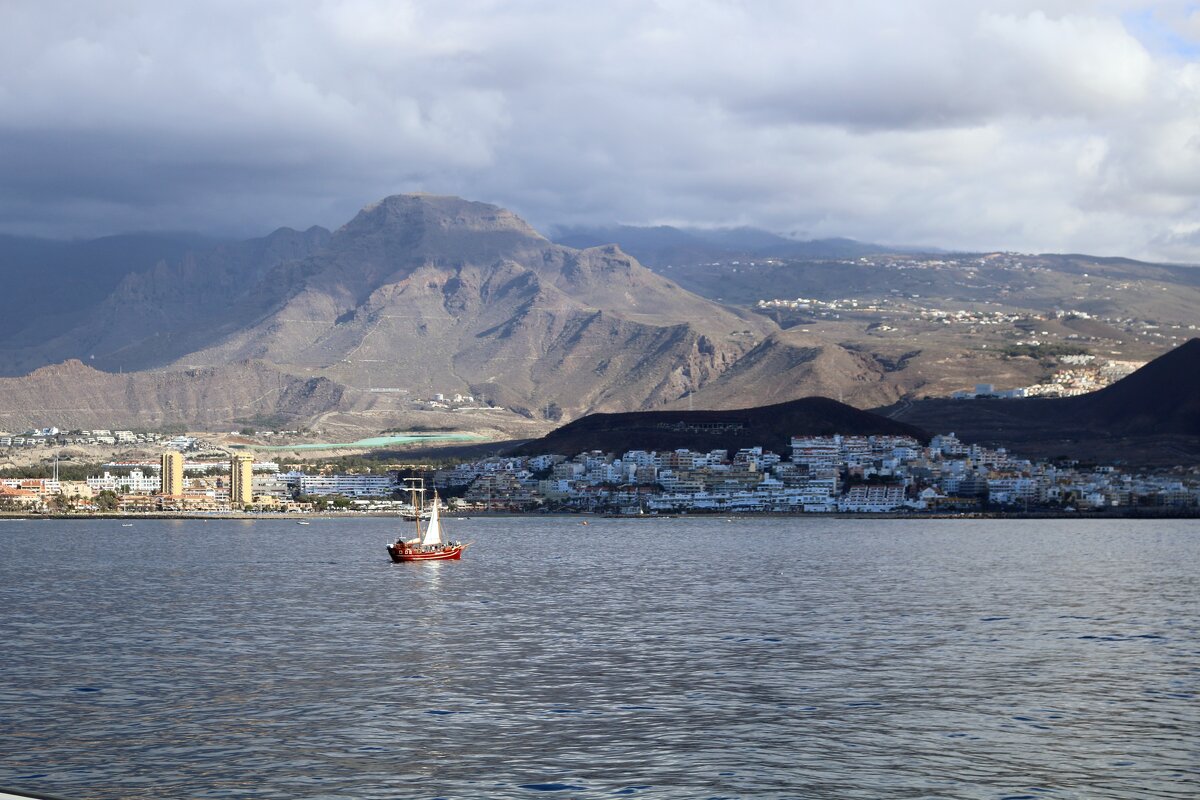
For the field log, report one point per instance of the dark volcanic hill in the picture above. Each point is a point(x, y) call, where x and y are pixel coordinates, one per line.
point(1151, 417)
point(768, 426)
point(1162, 397)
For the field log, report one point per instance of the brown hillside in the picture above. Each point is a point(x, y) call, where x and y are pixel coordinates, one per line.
point(73, 395)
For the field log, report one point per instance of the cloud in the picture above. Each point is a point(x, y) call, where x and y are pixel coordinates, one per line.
point(1023, 125)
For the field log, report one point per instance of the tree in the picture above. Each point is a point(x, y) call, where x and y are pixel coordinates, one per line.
point(57, 503)
point(107, 500)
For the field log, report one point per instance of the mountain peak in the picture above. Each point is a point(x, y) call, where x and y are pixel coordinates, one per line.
point(422, 214)
point(70, 368)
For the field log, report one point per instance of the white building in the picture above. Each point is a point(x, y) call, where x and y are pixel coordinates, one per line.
point(873, 498)
point(136, 482)
point(821, 454)
point(346, 485)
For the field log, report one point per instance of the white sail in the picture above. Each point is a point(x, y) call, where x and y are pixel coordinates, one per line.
point(433, 531)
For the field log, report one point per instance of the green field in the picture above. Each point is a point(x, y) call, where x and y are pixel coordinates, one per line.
point(373, 442)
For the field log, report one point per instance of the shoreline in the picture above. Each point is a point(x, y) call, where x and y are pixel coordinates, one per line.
point(1119, 513)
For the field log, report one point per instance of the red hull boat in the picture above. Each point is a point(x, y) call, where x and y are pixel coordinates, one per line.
point(400, 551)
point(428, 545)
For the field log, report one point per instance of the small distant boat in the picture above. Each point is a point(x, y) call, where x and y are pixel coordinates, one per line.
point(301, 522)
point(628, 511)
point(126, 524)
point(428, 544)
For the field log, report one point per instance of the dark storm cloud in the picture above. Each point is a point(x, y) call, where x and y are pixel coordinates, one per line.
point(1028, 125)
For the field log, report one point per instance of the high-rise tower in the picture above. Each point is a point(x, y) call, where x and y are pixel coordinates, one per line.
point(172, 473)
point(241, 480)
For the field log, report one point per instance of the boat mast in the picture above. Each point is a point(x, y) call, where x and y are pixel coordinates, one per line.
point(417, 506)
point(416, 487)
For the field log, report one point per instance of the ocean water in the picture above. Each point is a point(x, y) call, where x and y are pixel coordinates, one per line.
point(691, 658)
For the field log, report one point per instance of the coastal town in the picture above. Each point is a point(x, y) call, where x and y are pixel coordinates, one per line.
point(821, 474)
point(818, 475)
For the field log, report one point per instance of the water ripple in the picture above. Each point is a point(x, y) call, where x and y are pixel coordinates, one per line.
point(653, 658)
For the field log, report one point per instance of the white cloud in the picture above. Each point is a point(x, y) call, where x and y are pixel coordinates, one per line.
point(1025, 125)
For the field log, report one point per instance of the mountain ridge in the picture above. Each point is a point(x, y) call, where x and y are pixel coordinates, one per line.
point(428, 294)
point(419, 295)
point(661, 245)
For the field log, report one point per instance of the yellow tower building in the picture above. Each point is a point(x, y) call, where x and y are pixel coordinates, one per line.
point(172, 473)
point(241, 480)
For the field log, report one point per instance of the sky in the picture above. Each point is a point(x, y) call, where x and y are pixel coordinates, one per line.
point(1028, 126)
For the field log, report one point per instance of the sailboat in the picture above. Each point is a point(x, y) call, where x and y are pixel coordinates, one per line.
point(428, 544)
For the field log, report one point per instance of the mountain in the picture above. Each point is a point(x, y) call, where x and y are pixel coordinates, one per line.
point(437, 294)
point(420, 295)
point(664, 245)
point(1151, 417)
point(47, 282)
point(770, 427)
point(168, 307)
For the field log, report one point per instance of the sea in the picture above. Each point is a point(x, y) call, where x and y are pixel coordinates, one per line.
point(691, 657)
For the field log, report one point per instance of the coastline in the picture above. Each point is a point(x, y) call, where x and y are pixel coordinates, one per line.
point(1116, 513)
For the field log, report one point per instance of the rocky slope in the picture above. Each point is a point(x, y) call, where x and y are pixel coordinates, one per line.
point(788, 362)
point(73, 395)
